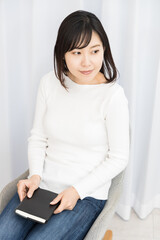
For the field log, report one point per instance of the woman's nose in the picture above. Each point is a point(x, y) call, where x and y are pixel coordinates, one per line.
point(85, 61)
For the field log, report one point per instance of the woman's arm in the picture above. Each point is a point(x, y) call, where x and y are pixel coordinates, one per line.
point(37, 142)
point(117, 129)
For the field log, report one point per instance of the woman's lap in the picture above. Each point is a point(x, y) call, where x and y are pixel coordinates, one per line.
point(13, 226)
point(69, 224)
point(65, 225)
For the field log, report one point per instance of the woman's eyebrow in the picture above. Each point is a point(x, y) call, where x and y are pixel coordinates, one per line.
point(97, 45)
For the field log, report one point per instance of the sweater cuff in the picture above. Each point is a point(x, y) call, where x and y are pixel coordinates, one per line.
point(31, 173)
point(85, 186)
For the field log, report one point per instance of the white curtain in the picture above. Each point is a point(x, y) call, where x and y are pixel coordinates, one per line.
point(28, 30)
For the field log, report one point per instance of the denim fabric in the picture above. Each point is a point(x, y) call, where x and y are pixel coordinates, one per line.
point(67, 225)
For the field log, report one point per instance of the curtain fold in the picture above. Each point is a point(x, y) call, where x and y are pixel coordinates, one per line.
point(135, 34)
point(28, 32)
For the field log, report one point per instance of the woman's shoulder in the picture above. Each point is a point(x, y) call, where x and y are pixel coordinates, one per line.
point(49, 83)
point(49, 79)
point(118, 94)
point(113, 88)
point(115, 98)
point(114, 93)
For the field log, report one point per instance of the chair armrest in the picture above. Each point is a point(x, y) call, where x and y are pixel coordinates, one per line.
point(9, 190)
point(101, 224)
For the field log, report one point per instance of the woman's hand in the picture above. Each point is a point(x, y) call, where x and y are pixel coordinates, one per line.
point(68, 198)
point(28, 186)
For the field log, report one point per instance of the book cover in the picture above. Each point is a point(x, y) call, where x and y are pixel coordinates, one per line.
point(38, 207)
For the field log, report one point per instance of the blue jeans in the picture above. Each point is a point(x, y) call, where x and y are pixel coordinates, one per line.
point(67, 225)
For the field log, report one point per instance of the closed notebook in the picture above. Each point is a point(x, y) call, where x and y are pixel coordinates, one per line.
point(38, 207)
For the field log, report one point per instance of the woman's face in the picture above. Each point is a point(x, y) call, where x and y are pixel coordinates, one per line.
point(84, 64)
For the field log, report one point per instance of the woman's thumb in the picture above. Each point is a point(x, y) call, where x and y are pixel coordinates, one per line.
point(56, 200)
point(30, 192)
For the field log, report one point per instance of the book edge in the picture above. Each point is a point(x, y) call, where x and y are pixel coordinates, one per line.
point(27, 215)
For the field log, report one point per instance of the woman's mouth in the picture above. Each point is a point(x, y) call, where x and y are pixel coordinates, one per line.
point(86, 72)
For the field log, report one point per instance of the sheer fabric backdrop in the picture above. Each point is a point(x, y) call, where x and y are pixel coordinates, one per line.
point(28, 31)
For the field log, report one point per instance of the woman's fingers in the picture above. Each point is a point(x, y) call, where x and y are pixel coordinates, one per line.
point(23, 195)
point(26, 187)
point(60, 208)
point(57, 199)
point(31, 191)
point(68, 198)
point(22, 190)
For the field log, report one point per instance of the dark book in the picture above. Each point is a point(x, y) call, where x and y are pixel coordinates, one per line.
point(38, 207)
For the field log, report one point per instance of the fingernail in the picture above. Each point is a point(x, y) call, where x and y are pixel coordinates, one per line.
point(29, 195)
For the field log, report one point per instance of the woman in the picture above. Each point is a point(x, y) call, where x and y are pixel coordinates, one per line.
point(80, 137)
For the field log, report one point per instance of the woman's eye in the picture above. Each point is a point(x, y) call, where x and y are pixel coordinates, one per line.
point(76, 53)
point(95, 51)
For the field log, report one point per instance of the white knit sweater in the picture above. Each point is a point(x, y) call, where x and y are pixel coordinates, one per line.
point(79, 138)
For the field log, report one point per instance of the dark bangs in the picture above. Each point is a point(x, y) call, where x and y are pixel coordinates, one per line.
point(79, 37)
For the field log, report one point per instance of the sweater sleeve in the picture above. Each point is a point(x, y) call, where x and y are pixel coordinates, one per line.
point(37, 142)
point(116, 116)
